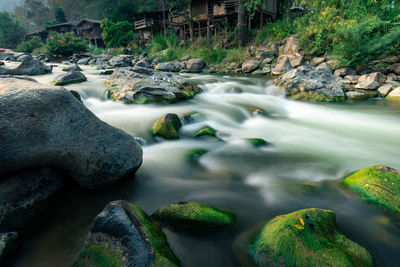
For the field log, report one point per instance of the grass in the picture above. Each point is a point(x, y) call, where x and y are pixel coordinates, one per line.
point(97, 255)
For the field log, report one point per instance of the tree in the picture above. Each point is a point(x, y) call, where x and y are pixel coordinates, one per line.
point(59, 15)
point(242, 36)
point(124, 12)
point(33, 14)
point(118, 34)
point(11, 31)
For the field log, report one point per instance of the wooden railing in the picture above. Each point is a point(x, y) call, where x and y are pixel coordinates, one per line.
point(143, 23)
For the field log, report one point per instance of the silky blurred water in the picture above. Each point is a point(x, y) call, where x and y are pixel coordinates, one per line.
point(315, 144)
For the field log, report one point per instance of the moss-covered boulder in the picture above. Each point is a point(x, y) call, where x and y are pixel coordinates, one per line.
point(377, 185)
point(70, 78)
point(194, 215)
point(304, 238)
point(136, 85)
point(124, 235)
point(195, 154)
point(167, 126)
point(206, 131)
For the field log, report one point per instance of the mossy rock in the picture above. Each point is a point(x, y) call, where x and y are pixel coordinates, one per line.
point(195, 154)
point(206, 131)
point(316, 97)
point(377, 185)
point(98, 255)
point(190, 90)
point(70, 78)
point(124, 235)
point(257, 142)
point(304, 238)
point(194, 215)
point(167, 126)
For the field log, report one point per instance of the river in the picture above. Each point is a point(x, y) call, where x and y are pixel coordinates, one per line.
point(313, 146)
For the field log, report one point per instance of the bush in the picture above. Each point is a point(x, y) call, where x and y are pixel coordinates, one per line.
point(161, 42)
point(66, 44)
point(30, 45)
point(118, 34)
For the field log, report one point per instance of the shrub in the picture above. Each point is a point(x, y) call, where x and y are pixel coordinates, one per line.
point(66, 44)
point(118, 34)
point(30, 45)
point(161, 42)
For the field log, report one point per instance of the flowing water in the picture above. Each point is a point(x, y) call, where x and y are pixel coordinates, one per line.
point(313, 145)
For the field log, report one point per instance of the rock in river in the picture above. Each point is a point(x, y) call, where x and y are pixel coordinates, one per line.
point(312, 84)
point(168, 126)
point(28, 67)
point(142, 85)
point(24, 194)
point(70, 78)
point(377, 185)
point(304, 238)
point(194, 215)
point(43, 125)
point(124, 235)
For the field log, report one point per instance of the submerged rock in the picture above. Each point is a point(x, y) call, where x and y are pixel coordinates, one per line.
point(124, 235)
point(28, 67)
point(73, 67)
point(24, 194)
point(257, 142)
point(168, 126)
point(311, 84)
point(44, 125)
point(194, 215)
point(378, 185)
point(70, 78)
point(304, 238)
point(8, 245)
point(206, 131)
point(141, 86)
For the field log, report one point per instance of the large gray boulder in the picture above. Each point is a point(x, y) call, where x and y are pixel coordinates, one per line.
point(43, 125)
point(120, 62)
point(24, 57)
point(171, 66)
point(282, 66)
point(141, 86)
point(123, 234)
point(250, 66)
point(69, 78)
point(25, 193)
point(28, 67)
point(83, 61)
point(311, 84)
point(195, 65)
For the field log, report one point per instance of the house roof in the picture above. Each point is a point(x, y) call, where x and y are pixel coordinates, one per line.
point(68, 23)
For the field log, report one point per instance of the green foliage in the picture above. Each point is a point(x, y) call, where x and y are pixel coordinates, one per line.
point(59, 15)
point(66, 44)
point(124, 12)
point(253, 6)
point(30, 45)
point(161, 42)
point(274, 31)
point(12, 32)
point(118, 34)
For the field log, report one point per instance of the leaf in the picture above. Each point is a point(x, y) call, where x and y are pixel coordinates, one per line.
point(301, 221)
point(298, 226)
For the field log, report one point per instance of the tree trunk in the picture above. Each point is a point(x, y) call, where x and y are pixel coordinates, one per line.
point(242, 24)
point(287, 11)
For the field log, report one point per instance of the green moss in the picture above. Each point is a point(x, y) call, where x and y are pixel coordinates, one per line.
point(59, 83)
point(158, 240)
point(195, 154)
point(167, 126)
point(206, 131)
point(194, 214)
point(257, 142)
point(306, 238)
point(392, 98)
point(377, 185)
point(316, 97)
point(97, 255)
point(190, 90)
